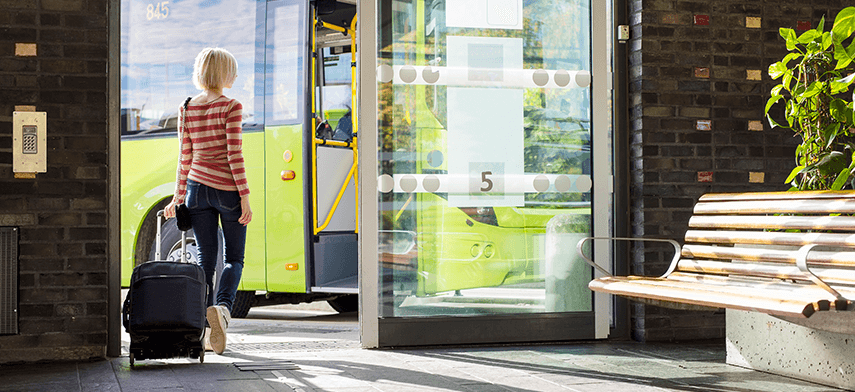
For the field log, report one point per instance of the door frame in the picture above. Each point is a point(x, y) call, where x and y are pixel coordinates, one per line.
point(114, 206)
point(369, 225)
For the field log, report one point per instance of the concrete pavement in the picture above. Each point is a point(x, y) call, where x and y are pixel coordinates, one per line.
point(317, 350)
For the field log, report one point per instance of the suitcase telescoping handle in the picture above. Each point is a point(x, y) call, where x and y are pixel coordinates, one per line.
point(157, 255)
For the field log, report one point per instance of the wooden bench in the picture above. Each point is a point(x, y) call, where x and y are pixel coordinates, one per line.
point(788, 254)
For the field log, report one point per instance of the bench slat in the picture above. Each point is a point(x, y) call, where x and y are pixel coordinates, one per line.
point(769, 238)
point(831, 276)
point(840, 259)
point(697, 294)
point(761, 287)
point(846, 223)
point(807, 206)
point(777, 195)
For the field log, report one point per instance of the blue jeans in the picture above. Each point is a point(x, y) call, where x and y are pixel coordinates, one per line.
point(208, 205)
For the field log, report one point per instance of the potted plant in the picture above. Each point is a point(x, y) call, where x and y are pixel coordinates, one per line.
point(816, 76)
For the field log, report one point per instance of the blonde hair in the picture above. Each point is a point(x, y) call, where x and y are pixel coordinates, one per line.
point(214, 68)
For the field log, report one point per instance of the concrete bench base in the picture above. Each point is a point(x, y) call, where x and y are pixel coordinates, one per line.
point(762, 342)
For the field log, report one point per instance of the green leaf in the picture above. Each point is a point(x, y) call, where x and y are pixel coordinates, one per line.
point(829, 133)
point(790, 36)
point(787, 81)
point(773, 123)
point(790, 114)
point(772, 100)
point(821, 25)
point(809, 36)
point(842, 84)
point(839, 110)
point(799, 90)
point(832, 163)
point(811, 91)
point(850, 117)
point(843, 55)
point(790, 57)
point(848, 80)
point(850, 50)
point(826, 40)
point(794, 173)
point(837, 87)
point(813, 47)
point(841, 180)
point(776, 70)
point(844, 24)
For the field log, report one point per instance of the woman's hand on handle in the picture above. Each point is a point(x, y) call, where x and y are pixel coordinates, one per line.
point(169, 210)
point(246, 212)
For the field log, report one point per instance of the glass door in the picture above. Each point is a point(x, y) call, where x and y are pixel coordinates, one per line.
point(491, 164)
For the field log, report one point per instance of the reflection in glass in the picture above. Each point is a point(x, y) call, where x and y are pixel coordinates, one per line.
point(486, 180)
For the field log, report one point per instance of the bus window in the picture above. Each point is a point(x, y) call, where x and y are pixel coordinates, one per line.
point(286, 37)
point(337, 66)
point(160, 42)
point(334, 96)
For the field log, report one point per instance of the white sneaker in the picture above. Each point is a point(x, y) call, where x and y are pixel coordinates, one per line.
point(207, 339)
point(218, 319)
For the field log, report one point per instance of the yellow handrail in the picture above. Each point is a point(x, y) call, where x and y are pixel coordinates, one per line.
point(334, 27)
point(337, 143)
point(354, 120)
point(401, 211)
point(315, 141)
point(353, 94)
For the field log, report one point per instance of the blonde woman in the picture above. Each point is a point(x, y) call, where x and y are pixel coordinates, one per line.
point(211, 181)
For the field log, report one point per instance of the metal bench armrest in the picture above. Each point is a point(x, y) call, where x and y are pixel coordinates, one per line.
point(801, 262)
point(591, 262)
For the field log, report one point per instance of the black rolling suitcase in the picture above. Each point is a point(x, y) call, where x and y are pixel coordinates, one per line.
point(164, 311)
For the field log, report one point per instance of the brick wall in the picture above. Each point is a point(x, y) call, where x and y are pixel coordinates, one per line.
point(698, 87)
point(62, 214)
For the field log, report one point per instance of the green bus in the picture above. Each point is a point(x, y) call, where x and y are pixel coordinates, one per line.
point(295, 80)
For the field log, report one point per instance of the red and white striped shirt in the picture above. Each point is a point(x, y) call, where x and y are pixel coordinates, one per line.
point(211, 147)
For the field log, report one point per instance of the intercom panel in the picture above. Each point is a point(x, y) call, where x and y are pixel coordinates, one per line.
point(29, 142)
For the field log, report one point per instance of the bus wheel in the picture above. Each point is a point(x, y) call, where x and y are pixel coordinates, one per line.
point(243, 302)
point(170, 248)
point(345, 303)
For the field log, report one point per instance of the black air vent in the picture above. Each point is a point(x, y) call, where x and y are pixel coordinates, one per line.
point(8, 280)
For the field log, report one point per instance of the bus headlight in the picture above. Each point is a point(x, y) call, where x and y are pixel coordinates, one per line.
point(475, 250)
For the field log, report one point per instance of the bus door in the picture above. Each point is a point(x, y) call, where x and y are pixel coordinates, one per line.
point(287, 166)
point(334, 231)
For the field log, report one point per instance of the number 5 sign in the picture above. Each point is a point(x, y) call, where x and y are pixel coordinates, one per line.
point(489, 182)
point(485, 124)
point(486, 180)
